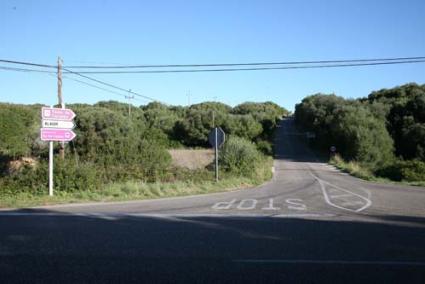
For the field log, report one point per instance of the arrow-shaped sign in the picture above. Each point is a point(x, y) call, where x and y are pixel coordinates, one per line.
point(63, 135)
point(57, 113)
point(47, 123)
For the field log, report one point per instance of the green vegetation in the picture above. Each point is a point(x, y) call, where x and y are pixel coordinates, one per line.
point(131, 190)
point(381, 135)
point(120, 157)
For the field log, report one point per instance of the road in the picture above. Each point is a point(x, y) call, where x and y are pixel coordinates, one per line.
point(310, 224)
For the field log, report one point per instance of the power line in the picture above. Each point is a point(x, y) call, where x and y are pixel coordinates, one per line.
point(370, 61)
point(252, 69)
point(66, 77)
point(206, 70)
point(110, 85)
point(246, 64)
point(28, 63)
point(25, 70)
point(91, 85)
point(97, 87)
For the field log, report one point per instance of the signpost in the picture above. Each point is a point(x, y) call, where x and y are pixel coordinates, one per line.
point(48, 123)
point(57, 113)
point(61, 135)
point(56, 125)
point(333, 150)
point(216, 137)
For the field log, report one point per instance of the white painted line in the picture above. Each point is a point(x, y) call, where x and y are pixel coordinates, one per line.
point(351, 203)
point(296, 204)
point(336, 262)
point(270, 206)
point(242, 206)
point(325, 194)
point(224, 205)
point(340, 195)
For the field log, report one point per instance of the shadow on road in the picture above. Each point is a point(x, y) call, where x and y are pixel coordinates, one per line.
point(47, 246)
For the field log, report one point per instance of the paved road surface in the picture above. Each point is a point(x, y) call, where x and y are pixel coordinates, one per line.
point(310, 224)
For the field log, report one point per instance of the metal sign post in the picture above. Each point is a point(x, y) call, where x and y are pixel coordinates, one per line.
point(216, 137)
point(51, 168)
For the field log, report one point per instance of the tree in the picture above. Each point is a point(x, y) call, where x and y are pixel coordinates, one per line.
point(18, 130)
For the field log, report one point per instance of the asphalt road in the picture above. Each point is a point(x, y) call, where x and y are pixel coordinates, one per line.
point(310, 224)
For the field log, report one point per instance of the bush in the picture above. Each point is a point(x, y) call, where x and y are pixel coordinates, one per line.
point(27, 179)
point(265, 147)
point(413, 170)
point(355, 131)
point(18, 130)
point(239, 156)
point(71, 176)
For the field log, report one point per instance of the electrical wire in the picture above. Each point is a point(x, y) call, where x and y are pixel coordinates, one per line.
point(97, 87)
point(25, 70)
point(252, 69)
point(246, 64)
point(370, 61)
point(28, 63)
point(110, 85)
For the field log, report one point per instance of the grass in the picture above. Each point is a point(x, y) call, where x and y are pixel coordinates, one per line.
point(352, 167)
point(136, 190)
point(355, 169)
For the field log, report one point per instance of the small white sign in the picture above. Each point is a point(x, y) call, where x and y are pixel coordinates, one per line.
point(47, 123)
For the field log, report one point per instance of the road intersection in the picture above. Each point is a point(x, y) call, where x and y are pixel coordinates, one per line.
point(311, 223)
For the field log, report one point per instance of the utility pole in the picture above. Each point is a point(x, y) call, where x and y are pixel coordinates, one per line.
point(61, 103)
point(129, 97)
point(188, 98)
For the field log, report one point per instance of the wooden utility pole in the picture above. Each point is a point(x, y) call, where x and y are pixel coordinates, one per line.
point(188, 98)
point(61, 103)
point(129, 97)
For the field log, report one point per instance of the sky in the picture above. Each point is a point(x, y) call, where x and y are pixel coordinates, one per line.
point(101, 32)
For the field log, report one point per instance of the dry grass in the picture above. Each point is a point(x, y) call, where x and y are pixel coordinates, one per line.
point(192, 159)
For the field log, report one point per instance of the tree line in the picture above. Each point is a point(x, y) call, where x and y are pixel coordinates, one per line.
point(384, 132)
point(113, 145)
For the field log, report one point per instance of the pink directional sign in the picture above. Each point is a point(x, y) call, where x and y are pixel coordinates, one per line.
point(51, 134)
point(57, 113)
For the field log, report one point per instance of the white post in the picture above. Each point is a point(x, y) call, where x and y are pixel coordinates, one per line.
point(51, 168)
point(216, 156)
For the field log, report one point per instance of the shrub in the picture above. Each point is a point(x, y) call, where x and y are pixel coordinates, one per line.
point(413, 170)
point(265, 147)
point(239, 156)
point(26, 179)
point(71, 176)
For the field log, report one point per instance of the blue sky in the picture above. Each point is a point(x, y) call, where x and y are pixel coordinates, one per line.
point(180, 32)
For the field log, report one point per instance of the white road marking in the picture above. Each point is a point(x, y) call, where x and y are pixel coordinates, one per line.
point(348, 203)
point(340, 195)
point(296, 204)
point(322, 183)
point(243, 201)
point(223, 205)
point(337, 262)
point(250, 204)
point(270, 206)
